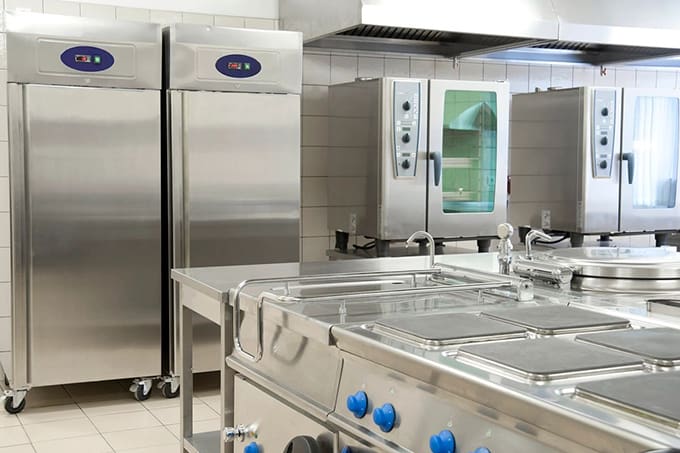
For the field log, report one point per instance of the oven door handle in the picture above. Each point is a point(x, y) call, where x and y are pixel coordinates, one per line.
point(630, 158)
point(437, 158)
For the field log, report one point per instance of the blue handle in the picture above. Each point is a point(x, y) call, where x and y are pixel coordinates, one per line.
point(444, 442)
point(385, 416)
point(252, 448)
point(358, 404)
point(437, 158)
point(630, 158)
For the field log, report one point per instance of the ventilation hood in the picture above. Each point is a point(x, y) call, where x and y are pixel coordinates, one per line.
point(586, 31)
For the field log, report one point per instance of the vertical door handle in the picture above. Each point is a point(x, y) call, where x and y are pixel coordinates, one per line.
point(630, 158)
point(437, 158)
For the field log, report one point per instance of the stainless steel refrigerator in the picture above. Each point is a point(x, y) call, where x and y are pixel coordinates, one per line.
point(85, 176)
point(233, 140)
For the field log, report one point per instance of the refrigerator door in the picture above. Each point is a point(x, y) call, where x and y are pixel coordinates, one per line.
point(468, 140)
point(86, 200)
point(649, 160)
point(236, 187)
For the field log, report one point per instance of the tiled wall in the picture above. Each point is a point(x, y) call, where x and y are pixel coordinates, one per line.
point(324, 68)
point(84, 10)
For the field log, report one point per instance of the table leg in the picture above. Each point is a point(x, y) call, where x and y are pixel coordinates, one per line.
point(187, 376)
point(226, 376)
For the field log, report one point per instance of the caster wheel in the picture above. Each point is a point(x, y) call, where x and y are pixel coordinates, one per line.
point(140, 395)
point(11, 409)
point(167, 392)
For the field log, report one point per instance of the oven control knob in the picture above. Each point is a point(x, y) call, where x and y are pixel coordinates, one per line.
point(252, 448)
point(406, 165)
point(406, 106)
point(603, 164)
point(605, 111)
point(385, 416)
point(358, 404)
point(406, 138)
point(604, 141)
point(444, 442)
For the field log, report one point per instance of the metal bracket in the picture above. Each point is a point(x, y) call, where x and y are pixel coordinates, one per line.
point(240, 433)
point(172, 380)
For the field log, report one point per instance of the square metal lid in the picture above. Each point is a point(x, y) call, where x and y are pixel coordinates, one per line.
point(551, 319)
point(653, 395)
point(448, 328)
point(660, 346)
point(546, 359)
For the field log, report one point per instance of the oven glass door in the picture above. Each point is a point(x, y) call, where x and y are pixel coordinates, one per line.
point(649, 160)
point(468, 152)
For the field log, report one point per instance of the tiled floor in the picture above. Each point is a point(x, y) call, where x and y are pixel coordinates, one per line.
point(103, 417)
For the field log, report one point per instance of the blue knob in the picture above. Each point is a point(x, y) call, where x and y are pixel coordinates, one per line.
point(385, 416)
point(346, 450)
point(358, 404)
point(482, 450)
point(444, 442)
point(251, 448)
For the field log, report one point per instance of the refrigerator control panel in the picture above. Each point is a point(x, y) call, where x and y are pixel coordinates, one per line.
point(406, 127)
point(602, 133)
point(58, 57)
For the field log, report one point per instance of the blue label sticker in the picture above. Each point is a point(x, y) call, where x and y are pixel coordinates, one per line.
point(87, 59)
point(239, 66)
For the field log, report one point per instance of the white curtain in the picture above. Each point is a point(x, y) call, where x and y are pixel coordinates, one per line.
point(655, 146)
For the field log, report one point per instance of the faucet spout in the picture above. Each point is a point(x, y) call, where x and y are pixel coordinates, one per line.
point(531, 237)
point(430, 242)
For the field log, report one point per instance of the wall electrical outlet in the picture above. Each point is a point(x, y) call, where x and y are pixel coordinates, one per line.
point(353, 223)
point(545, 219)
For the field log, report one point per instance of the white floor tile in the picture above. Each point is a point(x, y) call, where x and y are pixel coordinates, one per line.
point(13, 435)
point(203, 426)
point(120, 422)
point(88, 444)
point(110, 406)
point(7, 420)
point(140, 438)
point(63, 429)
point(214, 402)
point(51, 414)
point(157, 449)
point(18, 449)
point(171, 415)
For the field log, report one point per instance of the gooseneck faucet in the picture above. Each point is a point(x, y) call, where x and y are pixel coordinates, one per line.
point(430, 242)
point(505, 231)
point(531, 237)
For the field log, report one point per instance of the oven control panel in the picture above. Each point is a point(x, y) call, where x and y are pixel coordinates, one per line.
point(602, 133)
point(406, 126)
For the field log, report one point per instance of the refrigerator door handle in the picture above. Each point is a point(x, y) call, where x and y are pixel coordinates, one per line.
point(437, 158)
point(630, 158)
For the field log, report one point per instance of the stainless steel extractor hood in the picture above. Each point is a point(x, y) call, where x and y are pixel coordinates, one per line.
point(586, 31)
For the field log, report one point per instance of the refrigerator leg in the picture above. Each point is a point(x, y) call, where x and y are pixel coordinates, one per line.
point(141, 388)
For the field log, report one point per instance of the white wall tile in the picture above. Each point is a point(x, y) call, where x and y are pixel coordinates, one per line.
point(343, 68)
point(561, 76)
point(314, 191)
point(35, 6)
point(371, 66)
point(133, 14)
point(625, 78)
point(494, 72)
point(605, 77)
point(471, 71)
point(3, 51)
point(314, 161)
point(4, 159)
point(666, 79)
point(397, 67)
point(315, 100)
point(4, 194)
point(3, 87)
point(230, 21)
point(5, 266)
point(518, 76)
point(200, 19)
point(314, 249)
point(6, 359)
point(539, 77)
point(645, 79)
point(4, 229)
point(98, 11)
point(5, 299)
point(316, 69)
point(61, 7)
point(3, 123)
point(314, 222)
point(314, 131)
point(421, 68)
point(583, 76)
point(165, 17)
point(445, 69)
point(262, 24)
point(5, 334)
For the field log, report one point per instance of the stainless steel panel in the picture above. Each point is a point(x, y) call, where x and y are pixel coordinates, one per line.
point(135, 46)
point(646, 218)
point(194, 50)
point(455, 225)
point(92, 212)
